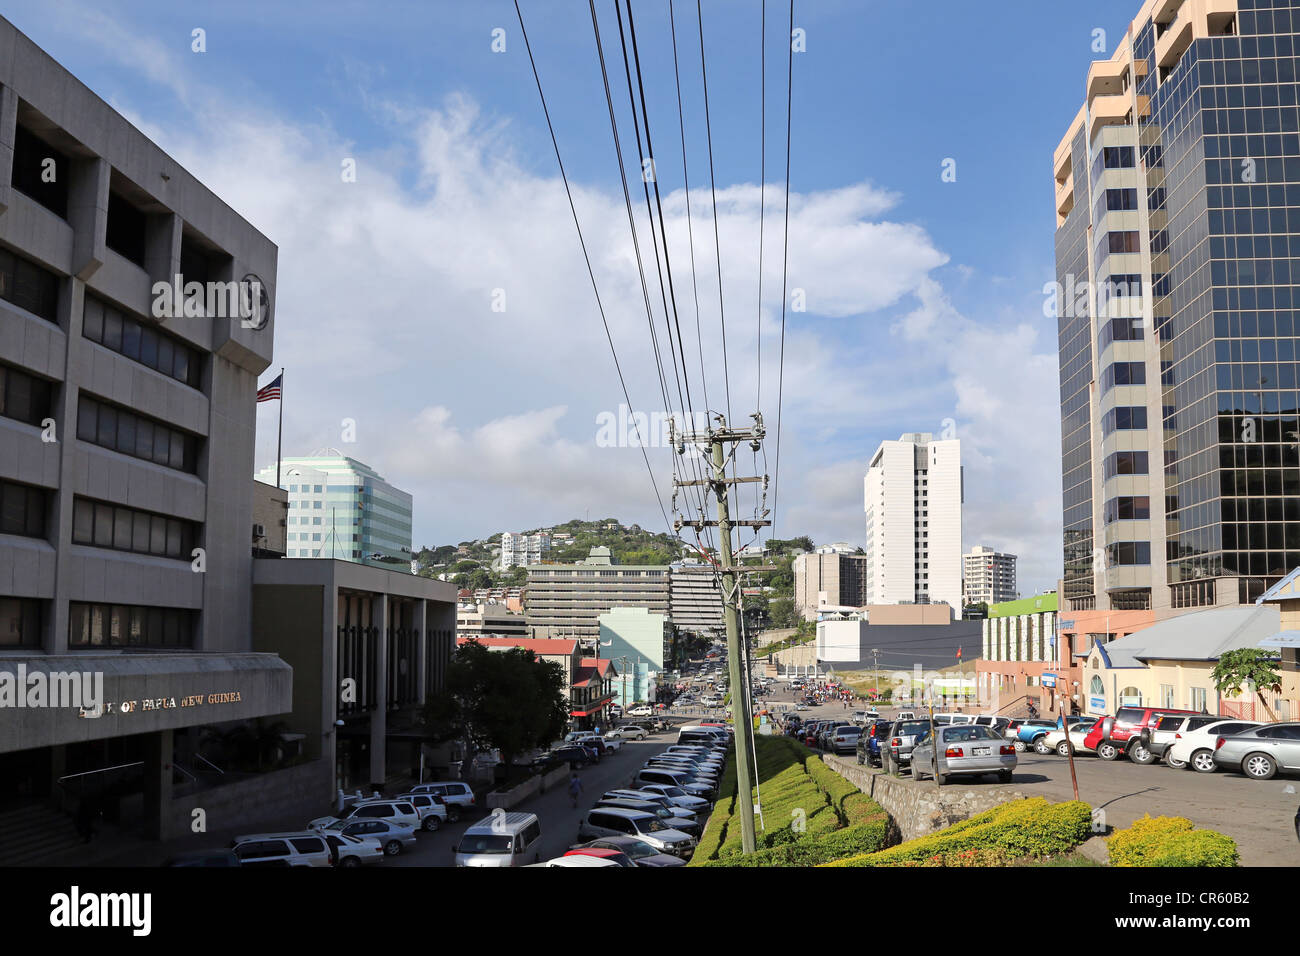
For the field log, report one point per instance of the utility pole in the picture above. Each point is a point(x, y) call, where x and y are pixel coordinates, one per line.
point(722, 442)
point(875, 666)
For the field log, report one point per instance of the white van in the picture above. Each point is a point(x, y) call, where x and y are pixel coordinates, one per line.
point(299, 848)
point(503, 839)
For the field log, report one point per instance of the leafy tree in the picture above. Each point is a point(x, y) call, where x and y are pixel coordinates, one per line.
point(782, 612)
point(509, 700)
point(1247, 665)
point(516, 577)
point(480, 578)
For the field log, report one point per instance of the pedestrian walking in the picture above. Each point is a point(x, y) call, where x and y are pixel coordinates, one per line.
point(575, 788)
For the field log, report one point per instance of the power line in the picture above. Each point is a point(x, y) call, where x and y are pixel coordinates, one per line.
point(587, 258)
point(713, 189)
point(785, 263)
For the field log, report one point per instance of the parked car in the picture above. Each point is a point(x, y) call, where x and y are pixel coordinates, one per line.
point(296, 848)
point(582, 860)
point(630, 732)
point(676, 794)
point(674, 778)
point(1112, 737)
point(1025, 733)
point(617, 821)
point(433, 812)
point(507, 839)
point(902, 738)
point(611, 744)
point(456, 794)
point(353, 851)
point(205, 858)
point(963, 750)
point(844, 739)
point(637, 850)
point(398, 811)
point(392, 837)
point(1261, 752)
point(576, 757)
point(998, 723)
point(641, 710)
point(869, 741)
point(675, 817)
point(1156, 740)
point(1195, 748)
point(1055, 740)
point(906, 715)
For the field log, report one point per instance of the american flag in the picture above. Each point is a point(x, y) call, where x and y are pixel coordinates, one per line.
point(271, 392)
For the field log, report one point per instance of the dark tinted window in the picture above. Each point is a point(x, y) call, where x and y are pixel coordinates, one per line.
point(1128, 715)
point(41, 171)
point(308, 845)
point(29, 286)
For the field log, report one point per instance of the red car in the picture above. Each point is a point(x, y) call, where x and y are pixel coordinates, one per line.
point(1122, 734)
point(619, 857)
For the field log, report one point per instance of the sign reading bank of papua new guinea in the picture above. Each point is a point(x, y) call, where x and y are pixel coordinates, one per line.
point(134, 694)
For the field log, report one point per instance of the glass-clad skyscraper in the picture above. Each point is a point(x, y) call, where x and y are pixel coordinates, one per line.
point(341, 508)
point(1178, 261)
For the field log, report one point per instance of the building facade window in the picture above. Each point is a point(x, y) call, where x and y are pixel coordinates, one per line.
point(21, 622)
point(29, 286)
point(25, 398)
point(103, 525)
point(122, 625)
point(23, 509)
point(140, 341)
point(121, 430)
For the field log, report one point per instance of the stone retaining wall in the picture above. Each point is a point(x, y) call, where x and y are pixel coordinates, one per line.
point(304, 789)
point(919, 809)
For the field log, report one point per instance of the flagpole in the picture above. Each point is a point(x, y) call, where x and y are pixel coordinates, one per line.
point(279, 435)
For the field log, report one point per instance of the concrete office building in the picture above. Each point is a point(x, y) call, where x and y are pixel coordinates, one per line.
point(988, 576)
point(126, 442)
point(342, 509)
point(1176, 185)
point(489, 620)
point(695, 599)
point(368, 647)
point(913, 500)
point(566, 600)
point(640, 645)
point(521, 550)
point(829, 578)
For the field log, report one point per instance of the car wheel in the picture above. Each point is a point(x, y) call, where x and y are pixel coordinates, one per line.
point(1203, 761)
point(940, 779)
point(430, 824)
point(1259, 766)
point(1107, 750)
point(1140, 755)
point(861, 761)
point(916, 770)
point(392, 848)
point(1040, 746)
point(349, 861)
point(1063, 748)
point(1019, 745)
point(1004, 776)
point(1172, 762)
point(453, 813)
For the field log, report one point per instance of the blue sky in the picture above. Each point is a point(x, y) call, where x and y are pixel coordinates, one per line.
point(924, 297)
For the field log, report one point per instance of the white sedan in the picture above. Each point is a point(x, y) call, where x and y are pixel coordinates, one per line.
point(613, 741)
point(1054, 740)
point(642, 711)
point(1195, 748)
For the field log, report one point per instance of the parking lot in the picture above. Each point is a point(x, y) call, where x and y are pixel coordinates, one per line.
point(1259, 815)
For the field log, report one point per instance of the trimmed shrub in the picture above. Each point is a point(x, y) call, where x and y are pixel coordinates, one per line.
point(1024, 828)
point(1170, 841)
point(814, 850)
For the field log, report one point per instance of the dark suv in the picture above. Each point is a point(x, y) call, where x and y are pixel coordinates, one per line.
point(873, 734)
point(1122, 734)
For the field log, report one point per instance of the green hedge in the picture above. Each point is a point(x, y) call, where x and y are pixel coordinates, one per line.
point(1170, 841)
point(810, 814)
point(1023, 828)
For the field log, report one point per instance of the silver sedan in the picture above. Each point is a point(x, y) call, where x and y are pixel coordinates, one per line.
point(964, 750)
point(1261, 752)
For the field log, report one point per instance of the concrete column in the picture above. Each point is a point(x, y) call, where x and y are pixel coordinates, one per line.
point(379, 714)
point(8, 129)
point(420, 622)
point(158, 785)
point(65, 411)
point(88, 214)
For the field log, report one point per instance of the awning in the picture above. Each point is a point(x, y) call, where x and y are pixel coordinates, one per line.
point(593, 708)
point(1282, 639)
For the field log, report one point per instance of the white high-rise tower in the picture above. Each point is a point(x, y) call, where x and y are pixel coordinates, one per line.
point(913, 498)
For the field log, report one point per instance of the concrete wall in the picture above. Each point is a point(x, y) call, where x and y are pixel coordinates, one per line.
point(270, 506)
point(305, 788)
point(289, 622)
point(919, 809)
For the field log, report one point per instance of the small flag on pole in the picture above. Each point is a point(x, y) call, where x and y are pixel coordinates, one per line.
point(959, 653)
point(271, 392)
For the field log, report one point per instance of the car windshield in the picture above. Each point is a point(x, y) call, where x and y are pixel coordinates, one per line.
point(652, 825)
point(910, 728)
point(673, 791)
point(485, 843)
point(635, 849)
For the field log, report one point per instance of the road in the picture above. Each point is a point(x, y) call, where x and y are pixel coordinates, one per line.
point(1259, 815)
point(559, 820)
